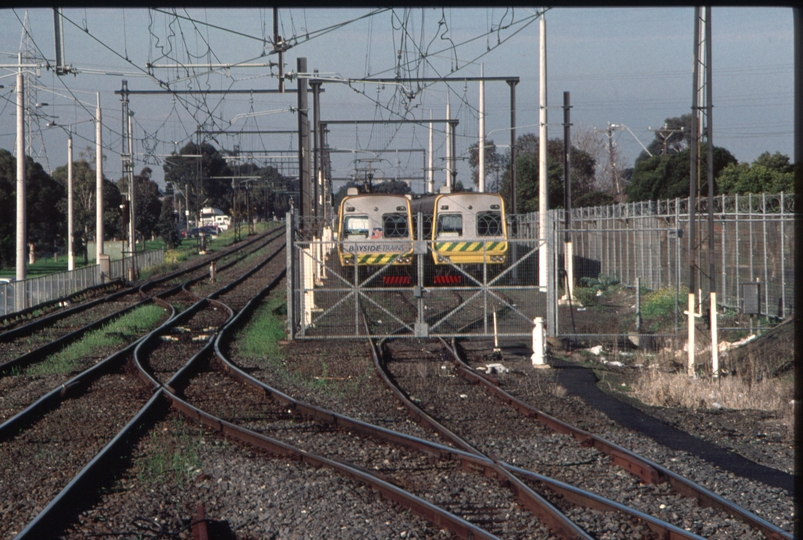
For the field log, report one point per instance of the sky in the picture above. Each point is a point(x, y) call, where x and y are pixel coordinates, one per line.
point(630, 67)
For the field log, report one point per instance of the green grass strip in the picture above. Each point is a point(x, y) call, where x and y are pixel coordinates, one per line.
point(259, 339)
point(116, 333)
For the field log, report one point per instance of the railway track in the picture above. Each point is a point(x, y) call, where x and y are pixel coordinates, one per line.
point(40, 341)
point(105, 397)
point(501, 426)
point(341, 437)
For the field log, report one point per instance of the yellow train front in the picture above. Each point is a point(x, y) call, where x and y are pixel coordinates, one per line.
point(464, 229)
point(375, 234)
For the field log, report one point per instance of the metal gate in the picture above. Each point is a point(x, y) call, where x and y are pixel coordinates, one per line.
point(413, 298)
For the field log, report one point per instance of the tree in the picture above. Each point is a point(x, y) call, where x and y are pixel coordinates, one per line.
point(769, 173)
point(148, 204)
point(167, 226)
point(667, 177)
point(84, 189)
point(495, 164)
point(392, 186)
point(581, 172)
point(270, 194)
point(610, 170)
point(46, 224)
point(8, 208)
point(202, 186)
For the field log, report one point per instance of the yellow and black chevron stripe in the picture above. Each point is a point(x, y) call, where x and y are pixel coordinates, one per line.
point(469, 247)
point(373, 259)
point(376, 259)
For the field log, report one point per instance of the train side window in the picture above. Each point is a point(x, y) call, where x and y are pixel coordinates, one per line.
point(355, 227)
point(449, 225)
point(395, 225)
point(489, 223)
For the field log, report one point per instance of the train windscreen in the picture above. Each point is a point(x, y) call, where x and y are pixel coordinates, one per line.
point(450, 225)
point(356, 226)
point(489, 224)
point(395, 225)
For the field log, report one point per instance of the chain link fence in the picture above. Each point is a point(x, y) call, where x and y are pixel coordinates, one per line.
point(753, 243)
point(19, 295)
point(642, 245)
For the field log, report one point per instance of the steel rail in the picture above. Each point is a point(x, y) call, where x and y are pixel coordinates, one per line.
point(574, 494)
point(57, 344)
point(468, 460)
point(56, 302)
point(40, 322)
point(647, 470)
point(49, 401)
point(49, 522)
point(145, 375)
point(432, 513)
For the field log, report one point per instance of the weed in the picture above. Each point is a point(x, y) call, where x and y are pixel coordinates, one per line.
point(259, 340)
point(679, 390)
point(173, 452)
point(116, 333)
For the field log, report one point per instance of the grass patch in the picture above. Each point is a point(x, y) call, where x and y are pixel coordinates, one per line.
point(116, 333)
point(662, 389)
point(174, 456)
point(259, 339)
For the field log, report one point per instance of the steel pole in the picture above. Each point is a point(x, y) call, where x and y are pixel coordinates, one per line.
point(430, 160)
point(303, 140)
point(693, 194)
point(132, 204)
point(98, 184)
point(70, 218)
point(448, 164)
point(22, 220)
point(481, 145)
point(316, 123)
point(543, 193)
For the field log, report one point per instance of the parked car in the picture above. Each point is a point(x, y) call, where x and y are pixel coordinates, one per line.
point(206, 231)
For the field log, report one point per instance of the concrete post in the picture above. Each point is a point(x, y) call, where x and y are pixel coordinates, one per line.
point(539, 343)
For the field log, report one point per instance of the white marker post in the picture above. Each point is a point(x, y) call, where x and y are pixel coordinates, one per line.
point(539, 344)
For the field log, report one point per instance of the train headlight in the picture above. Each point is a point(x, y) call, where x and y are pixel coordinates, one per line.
point(443, 259)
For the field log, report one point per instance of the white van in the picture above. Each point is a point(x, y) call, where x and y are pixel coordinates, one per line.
point(214, 217)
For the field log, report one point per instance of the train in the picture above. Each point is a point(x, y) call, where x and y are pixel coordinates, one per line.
point(464, 230)
point(464, 227)
point(374, 230)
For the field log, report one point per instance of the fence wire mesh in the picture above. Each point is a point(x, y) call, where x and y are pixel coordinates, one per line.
point(19, 295)
point(417, 295)
point(642, 245)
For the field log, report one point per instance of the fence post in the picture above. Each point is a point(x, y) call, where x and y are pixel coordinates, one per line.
point(782, 313)
point(291, 275)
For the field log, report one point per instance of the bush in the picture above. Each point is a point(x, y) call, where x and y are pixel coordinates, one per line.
point(658, 308)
